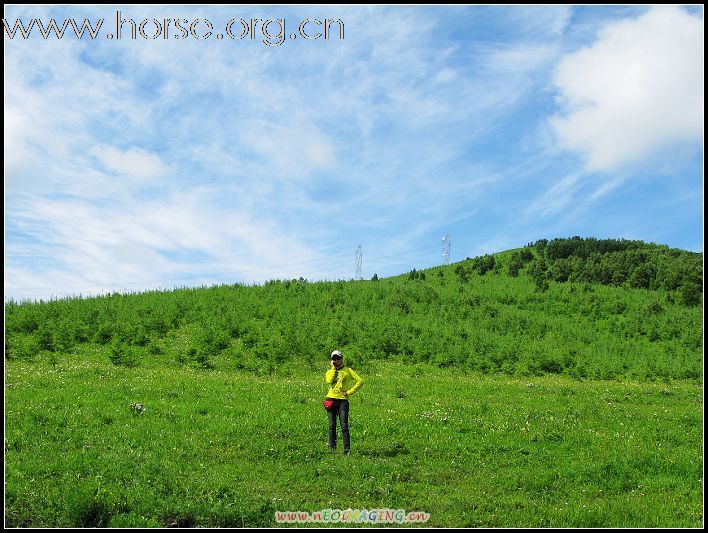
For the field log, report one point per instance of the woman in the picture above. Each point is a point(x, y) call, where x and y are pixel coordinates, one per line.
point(343, 382)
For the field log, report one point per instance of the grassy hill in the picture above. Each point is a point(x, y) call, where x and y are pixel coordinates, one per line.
point(558, 385)
point(585, 308)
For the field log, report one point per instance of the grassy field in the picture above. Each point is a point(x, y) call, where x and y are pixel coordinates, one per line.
point(228, 447)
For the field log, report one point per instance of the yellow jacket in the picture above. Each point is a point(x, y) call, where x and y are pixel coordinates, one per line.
point(342, 382)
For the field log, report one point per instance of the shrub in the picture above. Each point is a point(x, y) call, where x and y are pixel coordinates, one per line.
point(691, 293)
point(122, 355)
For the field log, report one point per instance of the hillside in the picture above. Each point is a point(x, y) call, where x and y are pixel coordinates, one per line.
point(586, 308)
point(203, 407)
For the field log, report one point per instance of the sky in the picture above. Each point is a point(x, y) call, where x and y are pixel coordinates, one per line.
point(182, 159)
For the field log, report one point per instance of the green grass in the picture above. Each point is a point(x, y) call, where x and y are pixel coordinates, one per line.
point(569, 395)
point(227, 447)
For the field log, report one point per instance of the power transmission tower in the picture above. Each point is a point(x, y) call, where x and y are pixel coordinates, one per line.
point(358, 255)
point(446, 249)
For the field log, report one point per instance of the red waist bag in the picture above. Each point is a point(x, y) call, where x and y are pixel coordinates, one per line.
point(328, 404)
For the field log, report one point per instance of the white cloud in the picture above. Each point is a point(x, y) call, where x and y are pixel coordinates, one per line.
point(557, 198)
point(134, 163)
point(295, 151)
point(16, 133)
point(132, 244)
point(539, 21)
point(636, 90)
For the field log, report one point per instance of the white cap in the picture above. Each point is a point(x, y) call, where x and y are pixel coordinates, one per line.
point(336, 354)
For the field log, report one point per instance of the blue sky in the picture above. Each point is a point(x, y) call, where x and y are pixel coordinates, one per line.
point(140, 164)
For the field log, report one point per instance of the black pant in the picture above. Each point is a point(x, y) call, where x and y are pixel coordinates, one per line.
point(339, 409)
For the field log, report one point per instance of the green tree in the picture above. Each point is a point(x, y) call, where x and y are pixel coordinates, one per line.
point(643, 276)
point(538, 270)
point(691, 293)
point(516, 263)
point(483, 264)
point(462, 273)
